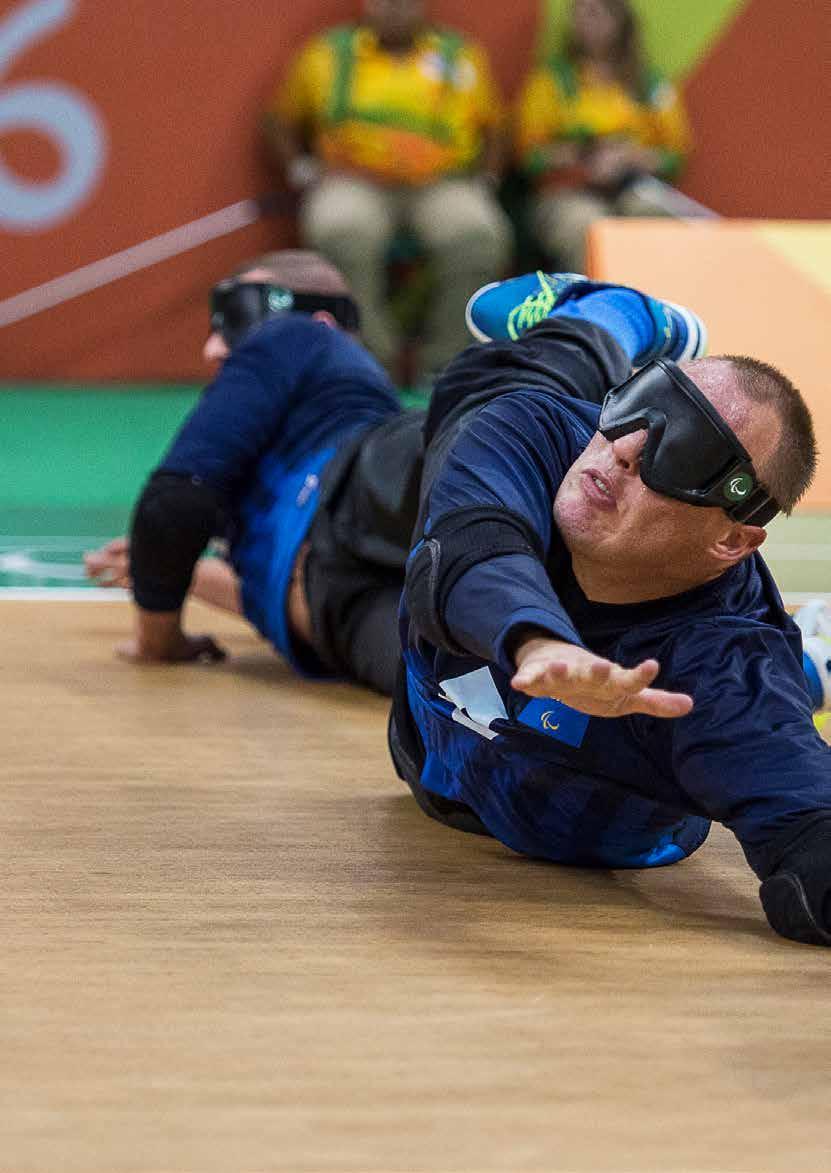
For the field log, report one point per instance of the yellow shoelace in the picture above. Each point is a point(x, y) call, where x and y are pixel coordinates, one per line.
point(533, 309)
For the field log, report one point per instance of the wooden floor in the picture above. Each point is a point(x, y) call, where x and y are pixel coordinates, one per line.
point(231, 942)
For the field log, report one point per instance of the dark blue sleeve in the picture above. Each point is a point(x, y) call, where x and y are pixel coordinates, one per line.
point(240, 414)
point(748, 755)
point(512, 455)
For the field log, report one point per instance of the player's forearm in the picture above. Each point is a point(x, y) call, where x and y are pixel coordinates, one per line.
point(174, 520)
point(495, 602)
point(158, 634)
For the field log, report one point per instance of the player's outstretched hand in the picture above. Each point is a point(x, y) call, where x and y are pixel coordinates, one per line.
point(110, 565)
point(550, 667)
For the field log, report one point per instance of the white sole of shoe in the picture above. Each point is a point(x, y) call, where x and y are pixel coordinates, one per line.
point(696, 333)
point(814, 618)
point(818, 651)
point(473, 329)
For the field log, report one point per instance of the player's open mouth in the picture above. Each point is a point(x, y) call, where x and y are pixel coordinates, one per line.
point(598, 488)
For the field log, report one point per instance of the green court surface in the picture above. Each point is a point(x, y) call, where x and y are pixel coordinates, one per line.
point(74, 459)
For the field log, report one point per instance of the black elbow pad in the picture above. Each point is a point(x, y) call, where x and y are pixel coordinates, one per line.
point(455, 544)
point(423, 594)
point(175, 518)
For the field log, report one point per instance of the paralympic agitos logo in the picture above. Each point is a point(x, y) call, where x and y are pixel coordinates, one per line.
point(737, 488)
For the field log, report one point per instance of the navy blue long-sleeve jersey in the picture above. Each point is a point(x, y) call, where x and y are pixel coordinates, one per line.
point(292, 393)
point(630, 791)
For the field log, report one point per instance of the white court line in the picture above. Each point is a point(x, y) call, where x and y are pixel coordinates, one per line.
point(20, 562)
point(129, 260)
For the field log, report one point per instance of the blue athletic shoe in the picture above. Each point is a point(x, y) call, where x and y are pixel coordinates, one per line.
point(506, 309)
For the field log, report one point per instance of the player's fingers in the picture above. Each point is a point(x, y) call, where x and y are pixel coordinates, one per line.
point(655, 702)
point(641, 676)
point(600, 672)
point(101, 576)
point(106, 577)
point(206, 650)
point(625, 683)
point(530, 685)
point(539, 676)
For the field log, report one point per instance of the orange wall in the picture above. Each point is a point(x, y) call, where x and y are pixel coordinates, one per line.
point(177, 88)
point(782, 272)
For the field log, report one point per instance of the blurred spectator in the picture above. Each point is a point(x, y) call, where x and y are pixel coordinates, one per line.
point(592, 121)
point(394, 124)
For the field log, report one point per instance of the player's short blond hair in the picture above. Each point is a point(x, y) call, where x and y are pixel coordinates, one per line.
point(789, 469)
point(301, 270)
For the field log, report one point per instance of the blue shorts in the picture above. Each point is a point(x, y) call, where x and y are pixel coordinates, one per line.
point(535, 808)
point(264, 555)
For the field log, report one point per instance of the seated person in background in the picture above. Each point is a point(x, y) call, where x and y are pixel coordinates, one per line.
point(591, 121)
point(597, 660)
point(298, 454)
point(403, 127)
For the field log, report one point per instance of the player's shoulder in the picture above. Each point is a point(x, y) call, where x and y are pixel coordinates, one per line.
point(550, 431)
point(295, 342)
point(727, 624)
point(287, 330)
point(551, 411)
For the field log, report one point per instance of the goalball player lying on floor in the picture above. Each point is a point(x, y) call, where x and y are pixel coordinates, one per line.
point(597, 662)
point(300, 455)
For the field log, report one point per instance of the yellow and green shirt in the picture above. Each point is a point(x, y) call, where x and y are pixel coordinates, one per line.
point(563, 103)
point(401, 118)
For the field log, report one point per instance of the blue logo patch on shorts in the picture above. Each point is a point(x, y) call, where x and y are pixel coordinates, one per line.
point(556, 720)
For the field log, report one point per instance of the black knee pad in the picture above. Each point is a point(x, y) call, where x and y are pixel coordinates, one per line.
point(796, 896)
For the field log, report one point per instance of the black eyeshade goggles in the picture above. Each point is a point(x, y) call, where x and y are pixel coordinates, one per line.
point(690, 453)
point(237, 306)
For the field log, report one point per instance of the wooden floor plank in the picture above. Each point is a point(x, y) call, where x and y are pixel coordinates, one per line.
point(232, 942)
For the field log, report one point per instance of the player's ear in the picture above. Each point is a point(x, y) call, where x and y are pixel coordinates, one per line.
point(325, 317)
point(216, 349)
point(738, 541)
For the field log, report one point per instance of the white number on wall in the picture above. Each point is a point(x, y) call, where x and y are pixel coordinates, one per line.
point(56, 111)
